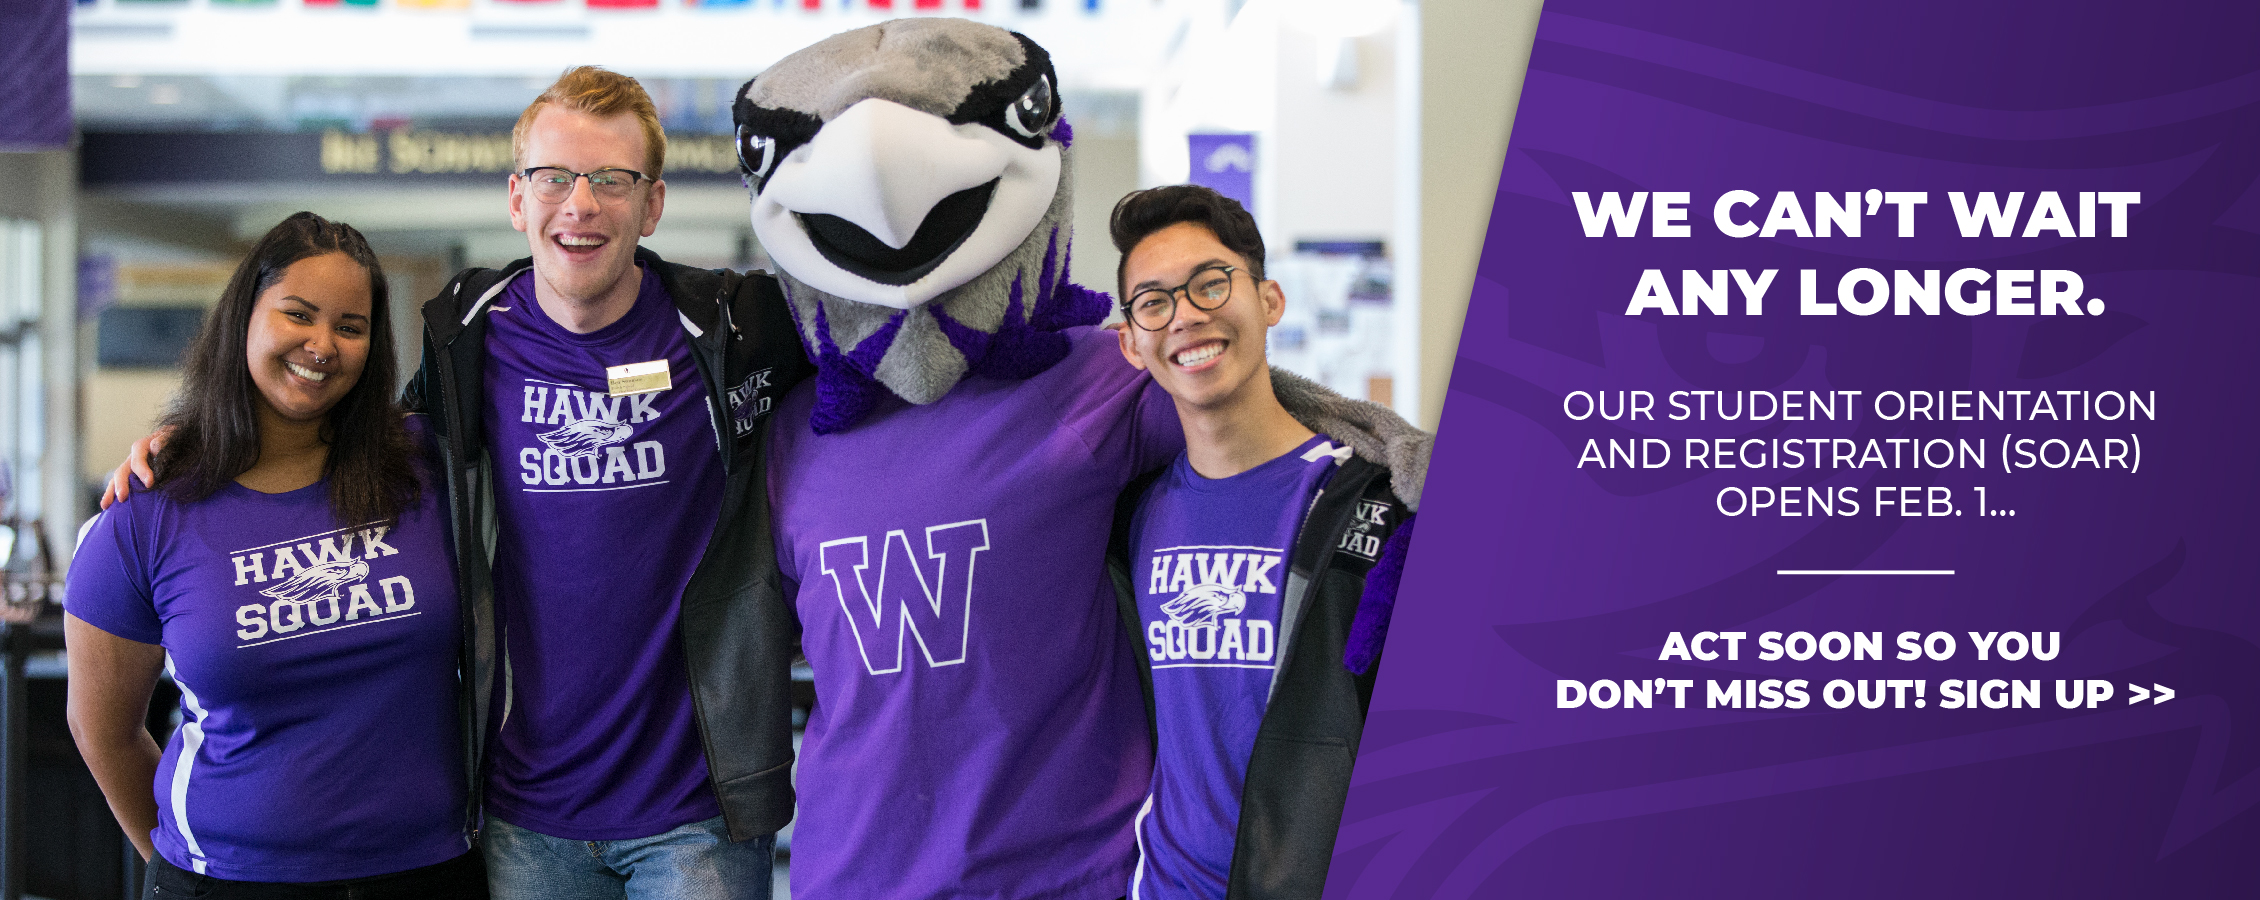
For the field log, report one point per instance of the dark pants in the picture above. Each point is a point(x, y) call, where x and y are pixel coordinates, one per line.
point(461, 878)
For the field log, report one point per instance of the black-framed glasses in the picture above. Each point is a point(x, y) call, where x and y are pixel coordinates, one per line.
point(552, 184)
point(1208, 290)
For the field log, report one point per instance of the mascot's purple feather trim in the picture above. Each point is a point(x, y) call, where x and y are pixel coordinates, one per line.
point(1028, 343)
point(845, 390)
point(1371, 627)
point(970, 343)
point(1067, 304)
point(1063, 134)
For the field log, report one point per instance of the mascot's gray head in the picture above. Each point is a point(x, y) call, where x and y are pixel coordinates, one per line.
point(911, 181)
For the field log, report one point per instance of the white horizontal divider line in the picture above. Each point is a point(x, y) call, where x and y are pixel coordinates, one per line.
point(1863, 571)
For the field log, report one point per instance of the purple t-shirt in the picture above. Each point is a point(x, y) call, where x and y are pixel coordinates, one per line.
point(319, 735)
point(1209, 560)
point(605, 505)
point(978, 730)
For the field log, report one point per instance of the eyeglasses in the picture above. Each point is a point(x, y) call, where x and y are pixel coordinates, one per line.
point(1208, 290)
point(552, 184)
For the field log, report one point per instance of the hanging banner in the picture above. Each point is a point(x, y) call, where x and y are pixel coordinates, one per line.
point(35, 81)
point(1225, 163)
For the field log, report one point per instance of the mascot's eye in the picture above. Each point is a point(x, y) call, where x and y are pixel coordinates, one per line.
point(1031, 115)
point(757, 155)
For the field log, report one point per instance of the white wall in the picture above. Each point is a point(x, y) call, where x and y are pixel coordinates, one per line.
point(1473, 54)
point(1106, 167)
point(1331, 151)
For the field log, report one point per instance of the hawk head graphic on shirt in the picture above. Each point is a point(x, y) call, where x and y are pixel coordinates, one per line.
point(1202, 604)
point(320, 583)
point(585, 437)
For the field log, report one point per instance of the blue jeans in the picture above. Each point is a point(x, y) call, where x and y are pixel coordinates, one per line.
point(697, 861)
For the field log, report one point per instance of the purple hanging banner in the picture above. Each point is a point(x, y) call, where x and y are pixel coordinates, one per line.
point(1844, 485)
point(35, 77)
point(1225, 163)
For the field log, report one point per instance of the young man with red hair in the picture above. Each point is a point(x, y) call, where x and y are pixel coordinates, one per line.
point(598, 411)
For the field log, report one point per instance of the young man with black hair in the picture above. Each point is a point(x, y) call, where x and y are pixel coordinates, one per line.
point(1258, 571)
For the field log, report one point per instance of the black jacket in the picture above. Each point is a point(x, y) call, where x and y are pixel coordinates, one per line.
point(739, 651)
point(1299, 775)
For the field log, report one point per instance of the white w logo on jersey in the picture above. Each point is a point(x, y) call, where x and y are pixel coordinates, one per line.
point(939, 614)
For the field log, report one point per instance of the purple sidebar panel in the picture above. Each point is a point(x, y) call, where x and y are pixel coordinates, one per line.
point(1608, 678)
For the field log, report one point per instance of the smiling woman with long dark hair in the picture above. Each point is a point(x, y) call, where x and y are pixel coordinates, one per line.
point(291, 571)
point(214, 424)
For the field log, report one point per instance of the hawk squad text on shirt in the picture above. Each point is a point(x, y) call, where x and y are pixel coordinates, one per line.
point(605, 504)
point(1209, 566)
point(319, 737)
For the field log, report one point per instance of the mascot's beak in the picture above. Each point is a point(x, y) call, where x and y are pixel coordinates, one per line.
point(891, 206)
point(883, 166)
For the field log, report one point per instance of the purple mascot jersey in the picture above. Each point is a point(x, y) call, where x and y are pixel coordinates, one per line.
point(978, 730)
point(319, 737)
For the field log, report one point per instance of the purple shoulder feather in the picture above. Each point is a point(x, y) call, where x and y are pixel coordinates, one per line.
point(1378, 602)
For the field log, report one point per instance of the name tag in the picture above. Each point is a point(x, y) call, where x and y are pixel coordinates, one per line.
point(639, 378)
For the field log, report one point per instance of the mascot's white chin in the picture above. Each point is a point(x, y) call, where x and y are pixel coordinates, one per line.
point(911, 181)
